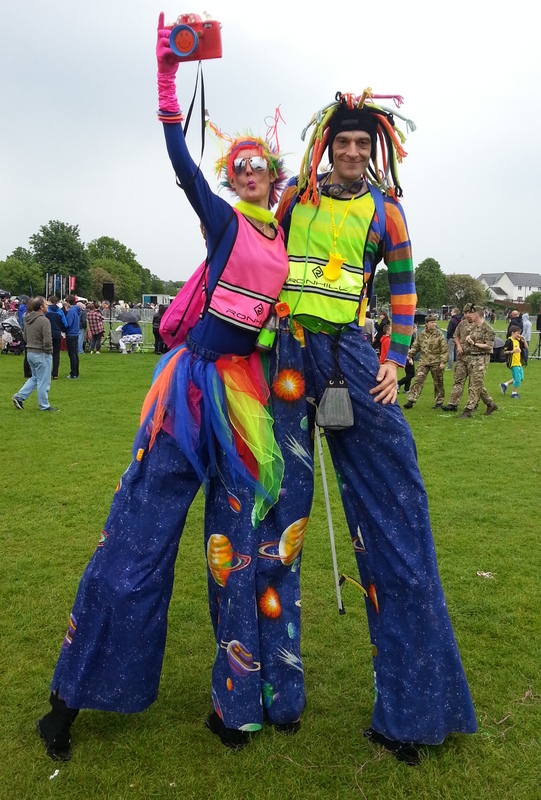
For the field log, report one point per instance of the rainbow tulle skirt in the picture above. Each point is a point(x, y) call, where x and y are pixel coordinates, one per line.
point(209, 403)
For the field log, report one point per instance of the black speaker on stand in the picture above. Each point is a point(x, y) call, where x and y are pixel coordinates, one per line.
point(108, 292)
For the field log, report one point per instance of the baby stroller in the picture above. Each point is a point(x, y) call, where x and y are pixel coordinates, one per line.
point(12, 336)
point(114, 338)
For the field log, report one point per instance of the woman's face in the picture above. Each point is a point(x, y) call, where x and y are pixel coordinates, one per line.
point(250, 183)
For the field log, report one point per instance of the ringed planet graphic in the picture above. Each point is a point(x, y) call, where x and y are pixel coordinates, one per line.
point(241, 661)
point(358, 542)
point(222, 559)
point(288, 547)
point(292, 540)
point(103, 537)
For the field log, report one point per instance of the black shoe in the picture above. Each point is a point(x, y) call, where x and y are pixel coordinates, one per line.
point(230, 737)
point(50, 408)
point(17, 403)
point(402, 751)
point(491, 409)
point(58, 747)
point(449, 408)
point(54, 729)
point(289, 728)
point(438, 405)
point(409, 404)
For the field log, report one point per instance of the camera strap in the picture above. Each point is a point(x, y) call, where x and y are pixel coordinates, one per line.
point(189, 116)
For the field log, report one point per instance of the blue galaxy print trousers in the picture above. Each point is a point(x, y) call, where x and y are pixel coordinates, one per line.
point(421, 692)
point(112, 654)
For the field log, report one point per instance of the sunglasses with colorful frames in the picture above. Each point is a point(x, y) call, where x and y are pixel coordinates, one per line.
point(257, 163)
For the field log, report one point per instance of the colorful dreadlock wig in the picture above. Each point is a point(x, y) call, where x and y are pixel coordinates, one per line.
point(224, 165)
point(351, 112)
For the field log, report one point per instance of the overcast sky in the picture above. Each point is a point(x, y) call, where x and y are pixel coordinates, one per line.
point(80, 141)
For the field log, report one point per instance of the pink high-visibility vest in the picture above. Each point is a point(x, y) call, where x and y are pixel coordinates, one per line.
point(252, 278)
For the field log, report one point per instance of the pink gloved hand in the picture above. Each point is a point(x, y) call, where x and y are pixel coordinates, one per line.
point(167, 61)
point(167, 70)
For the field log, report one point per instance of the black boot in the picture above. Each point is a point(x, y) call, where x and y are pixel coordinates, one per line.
point(289, 728)
point(54, 729)
point(402, 751)
point(231, 737)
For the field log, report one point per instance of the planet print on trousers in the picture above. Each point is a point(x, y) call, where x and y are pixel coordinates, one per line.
point(241, 661)
point(222, 560)
point(292, 540)
point(219, 557)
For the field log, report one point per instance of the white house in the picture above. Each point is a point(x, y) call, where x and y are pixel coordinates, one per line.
point(512, 286)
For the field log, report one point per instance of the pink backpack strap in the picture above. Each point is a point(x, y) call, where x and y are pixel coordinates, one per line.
point(190, 303)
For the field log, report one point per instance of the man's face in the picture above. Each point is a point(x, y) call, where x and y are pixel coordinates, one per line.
point(351, 154)
point(430, 326)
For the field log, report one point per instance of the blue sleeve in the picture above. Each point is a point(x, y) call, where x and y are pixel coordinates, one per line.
point(212, 210)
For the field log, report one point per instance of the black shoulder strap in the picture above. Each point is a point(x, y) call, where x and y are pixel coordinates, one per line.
point(209, 259)
point(188, 118)
point(205, 282)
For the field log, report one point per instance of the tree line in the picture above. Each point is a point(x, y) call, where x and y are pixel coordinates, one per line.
point(57, 248)
point(435, 289)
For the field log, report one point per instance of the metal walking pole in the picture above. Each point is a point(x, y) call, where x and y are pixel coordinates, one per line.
point(341, 609)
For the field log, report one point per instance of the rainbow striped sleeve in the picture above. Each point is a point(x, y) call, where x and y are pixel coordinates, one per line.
point(397, 257)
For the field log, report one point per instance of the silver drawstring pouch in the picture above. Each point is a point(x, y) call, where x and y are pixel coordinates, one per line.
point(335, 411)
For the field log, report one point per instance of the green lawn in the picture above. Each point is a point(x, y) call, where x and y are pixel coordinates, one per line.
point(59, 473)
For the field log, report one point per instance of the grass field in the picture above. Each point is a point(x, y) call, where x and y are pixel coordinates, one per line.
point(58, 476)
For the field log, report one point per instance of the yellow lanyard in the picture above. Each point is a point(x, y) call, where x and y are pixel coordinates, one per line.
point(333, 268)
point(336, 233)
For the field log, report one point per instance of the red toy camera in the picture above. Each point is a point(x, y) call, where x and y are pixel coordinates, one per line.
point(196, 39)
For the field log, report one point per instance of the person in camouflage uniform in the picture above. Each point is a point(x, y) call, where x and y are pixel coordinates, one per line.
point(434, 350)
point(462, 330)
point(475, 341)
